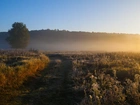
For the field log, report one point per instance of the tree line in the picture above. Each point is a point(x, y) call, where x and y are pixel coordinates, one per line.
point(19, 36)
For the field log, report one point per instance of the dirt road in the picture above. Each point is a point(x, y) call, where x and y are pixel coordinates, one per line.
point(52, 86)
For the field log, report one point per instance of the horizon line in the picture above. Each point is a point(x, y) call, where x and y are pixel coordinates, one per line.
point(79, 31)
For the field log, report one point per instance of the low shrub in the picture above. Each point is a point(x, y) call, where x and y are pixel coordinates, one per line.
point(13, 74)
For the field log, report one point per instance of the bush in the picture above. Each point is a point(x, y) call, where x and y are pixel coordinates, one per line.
point(13, 74)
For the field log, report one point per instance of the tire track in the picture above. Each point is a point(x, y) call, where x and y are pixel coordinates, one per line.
point(52, 86)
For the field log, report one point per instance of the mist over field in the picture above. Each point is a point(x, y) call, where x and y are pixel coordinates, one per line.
point(52, 40)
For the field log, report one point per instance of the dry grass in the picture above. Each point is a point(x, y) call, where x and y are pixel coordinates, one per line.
point(14, 70)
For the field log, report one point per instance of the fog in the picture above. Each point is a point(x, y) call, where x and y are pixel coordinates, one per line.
point(131, 46)
point(51, 40)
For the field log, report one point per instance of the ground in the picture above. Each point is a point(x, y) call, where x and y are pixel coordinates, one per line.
point(51, 86)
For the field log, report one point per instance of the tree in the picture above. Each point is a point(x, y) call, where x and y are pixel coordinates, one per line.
point(18, 35)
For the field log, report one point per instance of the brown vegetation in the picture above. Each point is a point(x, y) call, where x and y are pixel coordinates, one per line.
point(106, 78)
point(17, 66)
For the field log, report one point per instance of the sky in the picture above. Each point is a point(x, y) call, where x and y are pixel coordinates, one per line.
point(113, 16)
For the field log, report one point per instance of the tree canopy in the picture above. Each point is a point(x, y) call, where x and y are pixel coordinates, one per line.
point(18, 35)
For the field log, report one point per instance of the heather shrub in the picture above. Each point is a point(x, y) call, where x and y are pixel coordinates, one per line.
point(14, 70)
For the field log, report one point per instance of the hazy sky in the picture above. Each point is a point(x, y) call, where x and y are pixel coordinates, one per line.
point(121, 16)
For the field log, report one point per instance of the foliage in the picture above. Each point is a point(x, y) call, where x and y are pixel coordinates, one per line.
point(75, 78)
point(106, 78)
point(18, 35)
point(17, 65)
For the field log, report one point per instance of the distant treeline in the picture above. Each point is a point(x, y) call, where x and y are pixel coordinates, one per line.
point(78, 40)
point(64, 35)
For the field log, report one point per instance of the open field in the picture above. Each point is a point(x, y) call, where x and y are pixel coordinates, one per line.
point(106, 78)
point(69, 78)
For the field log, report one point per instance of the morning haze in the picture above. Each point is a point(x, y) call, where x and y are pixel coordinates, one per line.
point(70, 52)
point(62, 40)
point(92, 25)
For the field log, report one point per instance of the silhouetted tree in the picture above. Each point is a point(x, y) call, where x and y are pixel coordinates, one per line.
point(18, 35)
